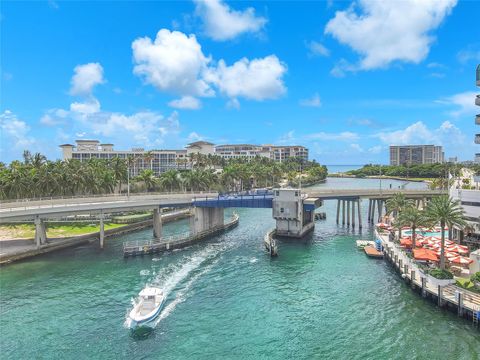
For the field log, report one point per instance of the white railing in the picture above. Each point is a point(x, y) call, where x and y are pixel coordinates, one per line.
point(177, 238)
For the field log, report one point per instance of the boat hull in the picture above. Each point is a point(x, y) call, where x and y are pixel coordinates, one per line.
point(148, 322)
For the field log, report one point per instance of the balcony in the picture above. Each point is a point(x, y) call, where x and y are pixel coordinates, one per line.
point(478, 75)
point(477, 119)
point(477, 139)
point(477, 100)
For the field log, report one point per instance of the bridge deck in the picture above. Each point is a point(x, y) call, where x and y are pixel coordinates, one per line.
point(27, 210)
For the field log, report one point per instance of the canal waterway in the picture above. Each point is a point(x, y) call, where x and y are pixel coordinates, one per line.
point(320, 299)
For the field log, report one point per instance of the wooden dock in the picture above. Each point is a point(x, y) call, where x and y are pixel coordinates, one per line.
point(443, 292)
point(138, 248)
point(372, 252)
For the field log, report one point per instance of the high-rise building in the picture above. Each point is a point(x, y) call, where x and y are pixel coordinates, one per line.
point(160, 161)
point(415, 154)
point(477, 117)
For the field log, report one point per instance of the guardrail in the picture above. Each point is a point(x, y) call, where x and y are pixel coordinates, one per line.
point(67, 202)
point(132, 248)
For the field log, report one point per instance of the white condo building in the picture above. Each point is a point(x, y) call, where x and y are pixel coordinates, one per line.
point(477, 117)
point(160, 161)
point(415, 154)
point(470, 198)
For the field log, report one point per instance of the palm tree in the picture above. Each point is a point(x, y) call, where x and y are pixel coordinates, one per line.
point(191, 179)
point(148, 178)
point(38, 160)
point(414, 218)
point(395, 205)
point(119, 168)
point(446, 211)
point(148, 157)
point(169, 180)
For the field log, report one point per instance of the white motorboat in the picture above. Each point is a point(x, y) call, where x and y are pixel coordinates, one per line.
point(147, 307)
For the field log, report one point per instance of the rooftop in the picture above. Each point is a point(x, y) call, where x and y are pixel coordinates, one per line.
point(196, 143)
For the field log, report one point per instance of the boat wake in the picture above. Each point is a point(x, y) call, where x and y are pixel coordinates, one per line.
point(176, 280)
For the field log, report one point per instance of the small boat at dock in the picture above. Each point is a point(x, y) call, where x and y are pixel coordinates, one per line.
point(362, 243)
point(147, 307)
point(372, 252)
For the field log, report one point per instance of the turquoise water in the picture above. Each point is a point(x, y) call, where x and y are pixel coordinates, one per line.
point(426, 233)
point(342, 168)
point(320, 299)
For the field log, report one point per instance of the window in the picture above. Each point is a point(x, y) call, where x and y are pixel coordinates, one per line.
point(282, 210)
point(277, 193)
point(296, 193)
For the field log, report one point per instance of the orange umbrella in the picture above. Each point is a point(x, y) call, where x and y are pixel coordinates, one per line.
point(462, 260)
point(425, 254)
point(382, 225)
point(406, 242)
point(458, 249)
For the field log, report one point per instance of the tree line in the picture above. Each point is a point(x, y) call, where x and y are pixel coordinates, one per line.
point(36, 176)
point(439, 170)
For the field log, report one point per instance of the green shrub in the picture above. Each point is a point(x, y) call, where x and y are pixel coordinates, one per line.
point(441, 274)
point(465, 284)
point(476, 276)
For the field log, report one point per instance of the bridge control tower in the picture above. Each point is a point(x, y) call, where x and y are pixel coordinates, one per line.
point(293, 212)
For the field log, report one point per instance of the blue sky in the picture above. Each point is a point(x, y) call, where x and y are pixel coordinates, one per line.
point(346, 79)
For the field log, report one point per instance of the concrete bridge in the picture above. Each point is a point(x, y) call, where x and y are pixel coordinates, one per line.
point(349, 200)
point(292, 209)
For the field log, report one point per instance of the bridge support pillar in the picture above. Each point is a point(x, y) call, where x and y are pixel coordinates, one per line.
point(343, 212)
point(353, 213)
point(40, 232)
point(102, 231)
point(348, 212)
point(380, 210)
point(369, 216)
point(205, 219)
point(338, 211)
point(157, 223)
point(359, 214)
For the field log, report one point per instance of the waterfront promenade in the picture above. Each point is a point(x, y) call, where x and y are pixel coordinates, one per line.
point(13, 250)
point(444, 292)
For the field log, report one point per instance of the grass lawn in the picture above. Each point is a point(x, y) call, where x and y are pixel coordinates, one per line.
point(27, 231)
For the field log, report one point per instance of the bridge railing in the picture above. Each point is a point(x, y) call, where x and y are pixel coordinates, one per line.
point(93, 196)
point(77, 201)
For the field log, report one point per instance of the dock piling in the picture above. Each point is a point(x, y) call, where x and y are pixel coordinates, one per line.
point(338, 210)
point(359, 214)
point(102, 231)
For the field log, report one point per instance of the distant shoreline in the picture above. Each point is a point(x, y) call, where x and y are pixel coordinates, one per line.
point(344, 175)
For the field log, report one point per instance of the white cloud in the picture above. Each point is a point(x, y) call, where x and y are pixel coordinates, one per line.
point(288, 138)
point(377, 149)
point(435, 65)
point(386, 31)
point(194, 136)
point(173, 62)
point(464, 103)
point(90, 106)
point(85, 78)
point(257, 79)
point(186, 102)
point(14, 134)
point(223, 23)
point(54, 117)
point(356, 147)
point(471, 53)
point(233, 104)
point(314, 101)
point(419, 133)
point(342, 136)
point(317, 49)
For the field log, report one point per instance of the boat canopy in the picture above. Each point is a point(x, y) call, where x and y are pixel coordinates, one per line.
point(150, 291)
